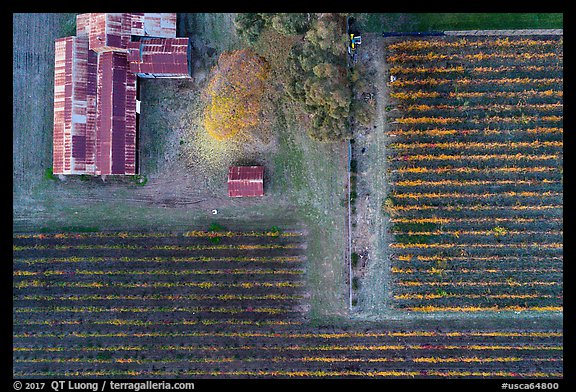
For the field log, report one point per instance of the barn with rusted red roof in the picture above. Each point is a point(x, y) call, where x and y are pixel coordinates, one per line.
point(245, 181)
point(95, 87)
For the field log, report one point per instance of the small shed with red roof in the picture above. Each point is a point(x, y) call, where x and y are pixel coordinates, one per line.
point(245, 181)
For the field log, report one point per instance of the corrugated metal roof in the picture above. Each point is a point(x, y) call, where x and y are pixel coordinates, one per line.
point(73, 146)
point(106, 31)
point(95, 88)
point(162, 25)
point(161, 57)
point(82, 25)
point(97, 31)
point(62, 76)
point(82, 136)
point(245, 181)
point(116, 116)
point(112, 31)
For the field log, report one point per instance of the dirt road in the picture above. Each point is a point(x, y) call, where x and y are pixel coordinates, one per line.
point(370, 236)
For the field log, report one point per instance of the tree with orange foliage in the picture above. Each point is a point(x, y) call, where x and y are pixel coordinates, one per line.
point(234, 93)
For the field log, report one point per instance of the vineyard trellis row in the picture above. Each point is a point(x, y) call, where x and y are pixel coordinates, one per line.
point(94, 311)
point(476, 161)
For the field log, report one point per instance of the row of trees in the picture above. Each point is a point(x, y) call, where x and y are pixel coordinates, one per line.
point(250, 25)
point(317, 76)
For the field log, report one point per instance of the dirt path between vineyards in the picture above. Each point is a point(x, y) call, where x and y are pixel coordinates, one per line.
point(371, 235)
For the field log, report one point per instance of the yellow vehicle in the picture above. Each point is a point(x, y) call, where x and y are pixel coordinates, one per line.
point(355, 40)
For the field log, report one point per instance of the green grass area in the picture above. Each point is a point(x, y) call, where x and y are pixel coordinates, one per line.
point(308, 178)
point(139, 179)
point(113, 216)
point(355, 258)
point(155, 131)
point(288, 161)
point(49, 174)
point(424, 226)
point(414, 228)
point(313, 176)
point(68, 24)
point(376, 23)
point(353, 187)
point(214, 226)
point(216, 28)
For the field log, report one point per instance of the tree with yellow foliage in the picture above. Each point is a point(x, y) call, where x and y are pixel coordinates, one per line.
point(234, 93)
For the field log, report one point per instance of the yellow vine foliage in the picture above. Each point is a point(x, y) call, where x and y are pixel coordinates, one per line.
point(463, 43)
point(234, 93)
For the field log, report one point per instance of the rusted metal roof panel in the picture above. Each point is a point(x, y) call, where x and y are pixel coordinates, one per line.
point(126, 29)
point(114, 30)
point(109, 32)
point(79, 104)
point(103, 114)
point(82, 25)
point(246, 173)
point(137, 24)
point(91, 101)
point(73, 151)
point(62, 77)
point(97, 31)
point(245, 181)
point(116, 118)
point(160, 57)
point(161, 25)
point(79, 149)
point(130, 125)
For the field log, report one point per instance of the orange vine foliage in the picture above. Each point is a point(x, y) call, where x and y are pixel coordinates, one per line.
point(235, 93)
